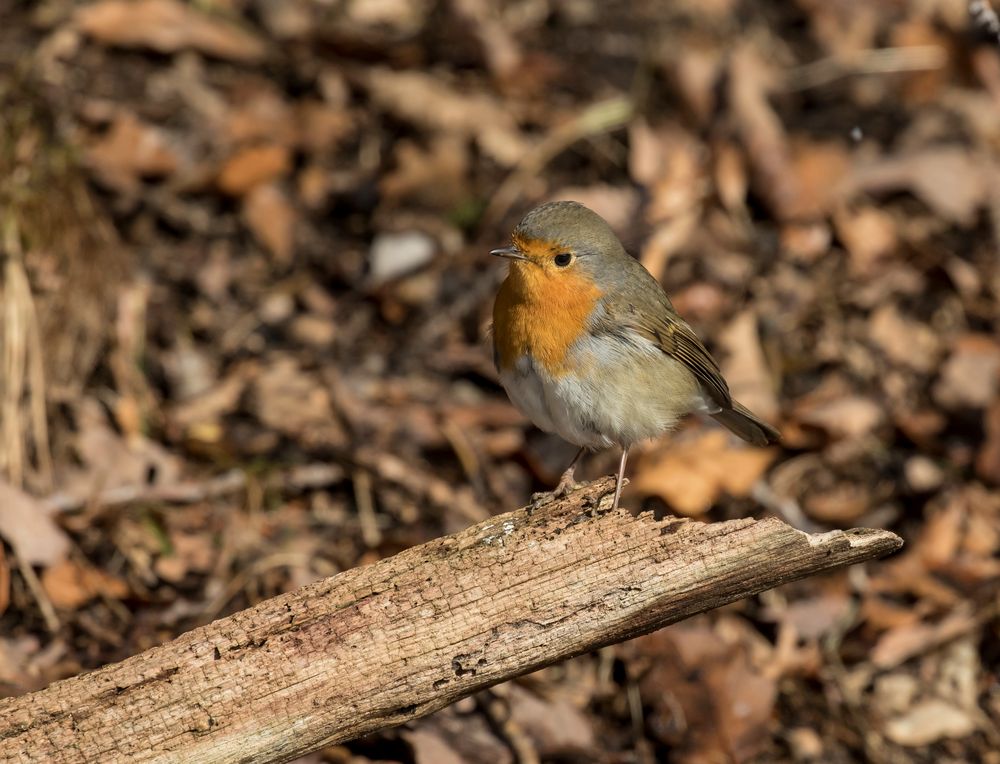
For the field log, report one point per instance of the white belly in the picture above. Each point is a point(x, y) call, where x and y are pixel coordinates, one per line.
point(614, 394)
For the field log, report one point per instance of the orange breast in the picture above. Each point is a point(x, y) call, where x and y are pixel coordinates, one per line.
point(541, 312)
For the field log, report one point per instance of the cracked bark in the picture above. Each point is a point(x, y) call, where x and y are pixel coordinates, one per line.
point(377, 646)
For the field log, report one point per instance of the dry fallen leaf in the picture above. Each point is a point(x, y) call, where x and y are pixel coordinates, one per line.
point(500, 46)
point(905, 641)
point(988, 459)
point(28, 527)
point(292, 401)
point(869, 235)
point(670, 163)
point(819, 174)
point(428, 101)
point(745, 367)
point(813, 617)
point(167, 26)
point(131, 150)
point(435, 175)
point(761, 131)
point(849, 417)
point(971, 375)
point(70, 584)
point(112, 462)
point(556, 728)
point(690, 475)
point(253, 166)
point(430, 748)
point(929, 721)
point(708, 699)
point(905, 340)
point(271, 218)
point(949, 179)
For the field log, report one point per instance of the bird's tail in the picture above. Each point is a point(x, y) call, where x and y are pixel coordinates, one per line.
point(747, 425)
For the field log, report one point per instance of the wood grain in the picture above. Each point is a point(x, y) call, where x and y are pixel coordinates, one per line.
point(380, 645)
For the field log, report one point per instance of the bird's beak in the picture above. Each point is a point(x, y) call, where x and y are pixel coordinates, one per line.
point(511, 253)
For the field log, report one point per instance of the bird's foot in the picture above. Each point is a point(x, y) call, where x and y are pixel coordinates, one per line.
point(565, 487)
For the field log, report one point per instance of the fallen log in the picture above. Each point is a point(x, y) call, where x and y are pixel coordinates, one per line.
point(377, 646)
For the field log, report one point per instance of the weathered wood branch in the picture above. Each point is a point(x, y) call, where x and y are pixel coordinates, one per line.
point(380, 645)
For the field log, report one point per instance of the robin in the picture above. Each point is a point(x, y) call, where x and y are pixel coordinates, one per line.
point(589, 347)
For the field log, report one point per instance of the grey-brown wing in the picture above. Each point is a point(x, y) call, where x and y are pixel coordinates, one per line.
point(678, 340)
point(650, 314)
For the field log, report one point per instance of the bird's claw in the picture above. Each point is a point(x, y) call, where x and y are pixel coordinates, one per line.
point(561, 491)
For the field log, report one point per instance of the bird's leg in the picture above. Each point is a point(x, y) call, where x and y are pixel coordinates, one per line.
point(620, 482)
point(566, 481)
point(566, 485)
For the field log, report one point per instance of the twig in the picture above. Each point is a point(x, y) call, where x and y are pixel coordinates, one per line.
point(45, 606)
point(191, 491)
point(383, 644)
point(872, 61)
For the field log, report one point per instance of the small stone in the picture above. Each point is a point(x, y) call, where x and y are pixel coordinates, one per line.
point(393, 254)
point(805, 743)
point(276, 307)
point(922, 474)
point(314, 330)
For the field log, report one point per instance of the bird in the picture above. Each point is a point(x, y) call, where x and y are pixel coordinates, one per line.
point(588, 346)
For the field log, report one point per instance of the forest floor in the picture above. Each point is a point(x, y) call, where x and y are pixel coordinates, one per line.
point(245, 293)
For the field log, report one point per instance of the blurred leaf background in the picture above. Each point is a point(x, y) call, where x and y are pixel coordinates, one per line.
point(242, 336)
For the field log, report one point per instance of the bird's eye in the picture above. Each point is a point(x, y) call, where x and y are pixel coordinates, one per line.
point(563, 259)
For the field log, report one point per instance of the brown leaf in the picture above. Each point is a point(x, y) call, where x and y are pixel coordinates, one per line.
point(499, 43)
point(729, 173)
point(70, 584)
point(430, 748)
point(806, 242)
point(813, 617)
point(292, 401)
point(971, 375)
point(261, 115)
point(252, 167)
point(840, 504)
point(131, 150)
point(988, 459)
point(322, 126)
point(929, 721)
point(110, 462)
point(724, 703)
point(555, 727)
point(697, 69)
point(690, 475)
point(949, 179)
point(869, 235)
point(271, 218)
point(190, 552)
point(761, 131)
point(670, 163)
point(167, 26)
point(28, 526)
point(819, 172)
point(745, 367)
point(436, 175)
point(904, 340)
point(428, 101)
point(4, 581)
point(903, 642)
point(848, 417)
